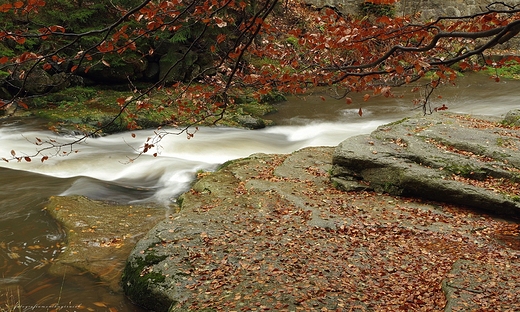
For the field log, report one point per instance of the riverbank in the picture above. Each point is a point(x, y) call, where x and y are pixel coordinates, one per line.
point(82, 110)
point(272, 232)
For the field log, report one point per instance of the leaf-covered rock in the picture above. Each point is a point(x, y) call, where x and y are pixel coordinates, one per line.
point(452, 158)
point(271, 232)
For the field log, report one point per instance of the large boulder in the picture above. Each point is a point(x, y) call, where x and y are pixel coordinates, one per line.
point(271, 232)
point(444, 157)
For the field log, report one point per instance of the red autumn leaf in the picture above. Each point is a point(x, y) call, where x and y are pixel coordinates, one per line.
point(360, 112)
point(44, 158)
point(121, 101)
point(5, 7)
point(23, 105)
point(464, 65)
point(366, 97)
point(27, 159)
point(348, 101)
point(4, 59)
point(20, 40)
point(221, 38)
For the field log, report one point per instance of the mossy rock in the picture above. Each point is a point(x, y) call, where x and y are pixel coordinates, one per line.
point(136, 280)
point(512, 118)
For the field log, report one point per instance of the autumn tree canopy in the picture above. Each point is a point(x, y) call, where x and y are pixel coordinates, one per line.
point(216, 49)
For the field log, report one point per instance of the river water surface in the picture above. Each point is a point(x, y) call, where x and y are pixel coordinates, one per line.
point(101, 169)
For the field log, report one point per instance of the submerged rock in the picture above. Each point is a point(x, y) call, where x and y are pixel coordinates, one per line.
point(100, 236)
point(470, 161)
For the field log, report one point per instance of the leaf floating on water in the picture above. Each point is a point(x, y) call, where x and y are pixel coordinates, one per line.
point(44, 158)
point(360, 112)
point(348, 101)
point(27, 159)
point(100, 304)
point(13, 255)
point(13, 153)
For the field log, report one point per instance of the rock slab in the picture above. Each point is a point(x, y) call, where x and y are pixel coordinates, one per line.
point(469, 161)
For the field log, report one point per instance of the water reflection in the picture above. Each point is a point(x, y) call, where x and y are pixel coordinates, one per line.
point(472, 94)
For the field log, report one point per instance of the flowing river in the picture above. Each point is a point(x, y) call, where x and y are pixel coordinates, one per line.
point(30, 239)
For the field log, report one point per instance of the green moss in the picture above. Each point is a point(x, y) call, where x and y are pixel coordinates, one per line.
point(397, 122)
point(511, 70)
point(292, 41)
point(369, 8)
point(466, 171)
point(505, 142)
point(337, 185)
point(226, 164)
point(84, 109)
point(136, 280)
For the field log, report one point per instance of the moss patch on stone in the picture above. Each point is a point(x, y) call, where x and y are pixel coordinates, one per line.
point(137, 277)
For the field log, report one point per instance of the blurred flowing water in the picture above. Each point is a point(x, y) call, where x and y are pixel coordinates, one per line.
point(101, 169)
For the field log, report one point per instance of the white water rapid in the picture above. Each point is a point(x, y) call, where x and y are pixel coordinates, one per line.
point(102, 168)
